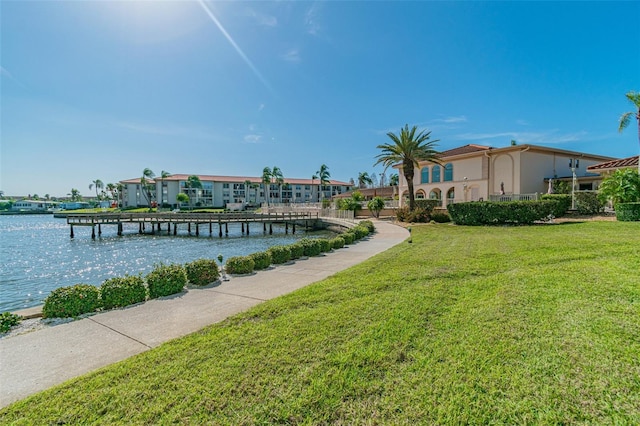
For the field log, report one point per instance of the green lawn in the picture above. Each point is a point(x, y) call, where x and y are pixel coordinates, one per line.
point(467, 325)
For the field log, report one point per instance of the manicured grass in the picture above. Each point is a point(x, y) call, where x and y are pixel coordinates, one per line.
point(466, 325)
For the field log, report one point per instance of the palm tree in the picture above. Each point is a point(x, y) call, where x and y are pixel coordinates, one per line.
point(394, 179)
point(313, 178)
point(145, 183)
point(266, 181)
point(625, 119)
point(364, 179)
point(193, 183)
point(75, 195)
point(163, 175)
point(98, 185)
point(277, 178)
point(409, 149)
point(247, 186)
point(324, 176)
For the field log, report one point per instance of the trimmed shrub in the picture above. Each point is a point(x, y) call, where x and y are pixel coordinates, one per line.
point(563, 203)
point(261, 260)
point(368, 224)
point(628, 212)
point(348, 237)
point(588, 202)
point(325, 245)
point(311, 246)
point(202, 271)
point(360, 231)
point(500, 213)
point(337, 243)
point(428, 205)
point(240, 265)
point(440, 217)
point(280, 254)
point(122, 291)
point(417, 215)
point(8, 320)
point(165, 280)
point(71, 301)
point(297, 250)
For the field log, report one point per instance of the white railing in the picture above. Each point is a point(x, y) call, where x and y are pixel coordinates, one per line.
point(514, 197)
point(309, 208)
point(347, 215)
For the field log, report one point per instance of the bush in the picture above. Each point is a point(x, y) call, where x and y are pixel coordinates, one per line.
point(348, 237)
point(628, 212)
point(71, 301)
point(563, 203)
point(261, 260)
point(297, 250)
point(165, 280)
point(375, 206)
point(8, 320)
point(349, 204)
point(428, 205)
point(122, 291)
point(440, 217)
point(588, 202)
point(368, 224)
point(280, 254)
point(311, 246)
point(202, 271)
point(500, 213)
point(360, 231)
point(325, 245)
point(417, 215)
point(240, 265)
point(337, 243)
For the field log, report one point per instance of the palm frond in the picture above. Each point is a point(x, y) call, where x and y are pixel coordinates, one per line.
point(625, 119)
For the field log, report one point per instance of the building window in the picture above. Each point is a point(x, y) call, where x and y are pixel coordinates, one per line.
point(424, 175)
point(451, 194)
point(448, 172)
point(225, 185)
point(435, 174)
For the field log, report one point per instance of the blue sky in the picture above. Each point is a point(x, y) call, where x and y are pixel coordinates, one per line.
point(102, 89)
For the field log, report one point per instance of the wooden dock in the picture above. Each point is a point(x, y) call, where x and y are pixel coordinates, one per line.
point(157, 221)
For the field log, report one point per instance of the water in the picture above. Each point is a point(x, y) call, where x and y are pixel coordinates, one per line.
point(37, 255)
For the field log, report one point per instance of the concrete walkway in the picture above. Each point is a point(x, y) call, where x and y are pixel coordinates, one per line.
point(35, 361)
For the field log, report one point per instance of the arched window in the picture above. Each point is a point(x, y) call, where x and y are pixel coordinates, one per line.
point(435, 194)
point(424, 175)
point(451, 194)
point(435, 174)
point(448, 172)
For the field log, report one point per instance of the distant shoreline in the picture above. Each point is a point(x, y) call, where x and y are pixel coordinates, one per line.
point(17, 213)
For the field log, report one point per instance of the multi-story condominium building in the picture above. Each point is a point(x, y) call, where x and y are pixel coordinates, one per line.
point(219, 191)
point(477, 172)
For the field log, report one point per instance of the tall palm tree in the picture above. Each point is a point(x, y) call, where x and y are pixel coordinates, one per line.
point(247, 187)
point(324, 176)
point(394, 179)
point(313, 178)
point(277, 178)
point(98, 185)
point(146, 184)
point(364, 179)
point(625, 119)
point(266, 181)
point(409, 149)
point(193, 183)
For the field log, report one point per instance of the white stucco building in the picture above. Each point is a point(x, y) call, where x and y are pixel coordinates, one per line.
point(477, 172)
point(219, 191)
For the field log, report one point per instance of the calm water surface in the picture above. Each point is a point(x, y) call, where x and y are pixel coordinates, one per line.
point(37, 255)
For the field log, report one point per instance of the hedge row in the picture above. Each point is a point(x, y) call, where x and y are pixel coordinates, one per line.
point(500, 213)
point(163, 280)
point(305, 247)
point(628, 212)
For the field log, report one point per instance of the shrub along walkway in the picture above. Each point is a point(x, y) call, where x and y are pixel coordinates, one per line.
point(36, 361)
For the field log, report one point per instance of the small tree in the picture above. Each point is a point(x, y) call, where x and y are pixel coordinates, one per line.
point(375, 206)
point(622, 186)
point(182, 198)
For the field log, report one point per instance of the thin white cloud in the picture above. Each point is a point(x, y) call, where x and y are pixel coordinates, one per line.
point(262, 19)
point(252, 138)
point(5, 72)
point(449, 120)
point(293, 55)
point(261, 107)
point(522, 122)
point(311, 19)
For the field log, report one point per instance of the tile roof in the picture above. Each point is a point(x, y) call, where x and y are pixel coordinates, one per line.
point(466, 149)
point(616, 164)
point(238, 179)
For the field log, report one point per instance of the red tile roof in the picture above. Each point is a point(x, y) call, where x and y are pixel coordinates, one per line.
point(238, 179)
point(466, 149)
point(615, 164)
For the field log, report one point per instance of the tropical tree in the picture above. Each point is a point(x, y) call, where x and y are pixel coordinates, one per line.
point(182, 198)
point(277, 178)
point(247, 187)
point(75, 195)
point(97, 184)
point(394, 179)
point(266, 182)
point(163, 175)
point(622, 186)
point(409, 149)
point(364, 179)
point(193, 183)
point(146, 182)
point(323, 175)
point(313, 178)
point(625, 119)
point(375, 206)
